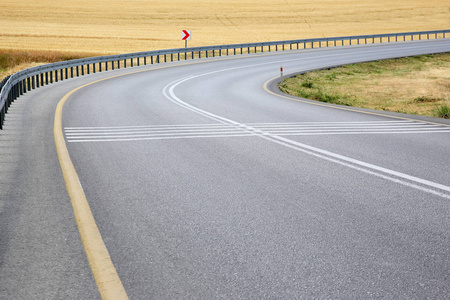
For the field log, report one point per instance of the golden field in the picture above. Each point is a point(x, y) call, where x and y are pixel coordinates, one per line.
point(110, 27)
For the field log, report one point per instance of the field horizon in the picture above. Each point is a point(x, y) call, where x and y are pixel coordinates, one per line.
point(111, 27)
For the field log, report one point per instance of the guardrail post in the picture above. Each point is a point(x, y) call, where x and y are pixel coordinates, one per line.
point(67, 73)
point(37, 81)
point(14, 93)
point(145, 60)
point(33, 82)
point(1, 117)
point(125, 63)
point(8, 98)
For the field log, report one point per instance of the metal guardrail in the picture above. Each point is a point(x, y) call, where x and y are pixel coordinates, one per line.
point(19, 83)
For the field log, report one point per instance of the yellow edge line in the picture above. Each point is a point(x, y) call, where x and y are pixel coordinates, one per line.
point(293, 98)
point(108, 282)
point(105, 275)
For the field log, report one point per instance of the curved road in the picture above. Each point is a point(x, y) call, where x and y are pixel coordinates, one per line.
point(207, 183)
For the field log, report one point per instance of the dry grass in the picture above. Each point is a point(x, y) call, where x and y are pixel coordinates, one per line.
point(110, 27)
point(12, 61)
point(414, 85)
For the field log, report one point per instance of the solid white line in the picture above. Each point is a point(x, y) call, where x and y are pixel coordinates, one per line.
point(385, 173)
point(387, 130)
point(360, 133)
point(153, 135)
point(325, 128)
point(160, 138)
point(328, 123)
point(75, 129)
point(181, 131)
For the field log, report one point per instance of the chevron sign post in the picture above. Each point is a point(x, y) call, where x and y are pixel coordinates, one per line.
point(185, 36)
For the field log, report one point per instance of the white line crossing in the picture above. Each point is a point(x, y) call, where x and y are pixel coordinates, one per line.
point(136, 133)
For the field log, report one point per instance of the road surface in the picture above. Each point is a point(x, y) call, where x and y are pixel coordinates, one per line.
point(206, 183)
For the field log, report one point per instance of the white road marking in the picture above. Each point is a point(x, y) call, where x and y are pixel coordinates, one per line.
point(136, 133)
point(391, 175)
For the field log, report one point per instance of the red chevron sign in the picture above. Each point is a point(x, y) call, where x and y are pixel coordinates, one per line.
point(185, 35)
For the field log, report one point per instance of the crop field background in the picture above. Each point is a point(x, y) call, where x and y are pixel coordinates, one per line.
point(111, 27)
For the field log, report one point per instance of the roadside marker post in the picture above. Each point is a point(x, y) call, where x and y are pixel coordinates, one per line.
point(185, 36)
point(281, 74)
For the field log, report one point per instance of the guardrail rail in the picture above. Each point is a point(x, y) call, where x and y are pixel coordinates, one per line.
point(23, 81)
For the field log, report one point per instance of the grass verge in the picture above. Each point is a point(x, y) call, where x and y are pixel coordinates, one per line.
point(414, 85)
point(12, 61)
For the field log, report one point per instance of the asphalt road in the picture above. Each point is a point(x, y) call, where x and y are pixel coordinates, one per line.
point(206, 183)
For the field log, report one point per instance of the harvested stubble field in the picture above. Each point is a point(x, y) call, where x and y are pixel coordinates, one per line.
point(111, 27)
point(36, 32)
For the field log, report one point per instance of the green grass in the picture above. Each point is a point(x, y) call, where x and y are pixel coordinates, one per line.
point(414, 85)
point(442, 112)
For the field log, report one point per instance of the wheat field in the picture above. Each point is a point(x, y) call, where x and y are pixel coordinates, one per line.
point(110, 27)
